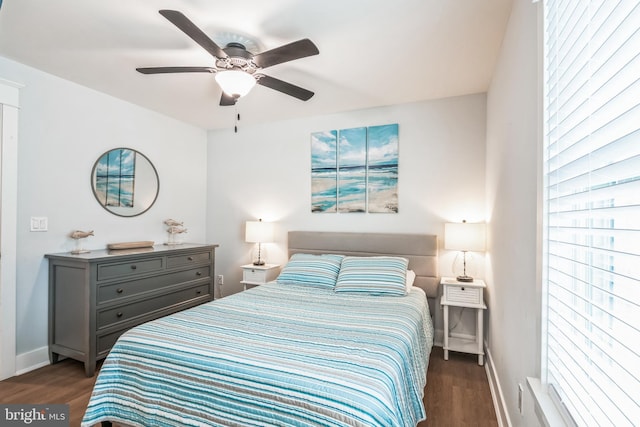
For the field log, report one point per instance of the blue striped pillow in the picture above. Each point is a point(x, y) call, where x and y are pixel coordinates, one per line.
point(308, 269)
point(378, 275)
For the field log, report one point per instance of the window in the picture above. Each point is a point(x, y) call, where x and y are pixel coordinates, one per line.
point(591, 269)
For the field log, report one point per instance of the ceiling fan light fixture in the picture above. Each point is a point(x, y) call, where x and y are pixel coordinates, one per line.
point(235, 83)
point(236, 69)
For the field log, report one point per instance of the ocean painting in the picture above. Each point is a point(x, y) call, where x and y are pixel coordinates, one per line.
point(352, 172)
point(382, 168)
point(115, 176)
point(324, 172)
point(355, 170)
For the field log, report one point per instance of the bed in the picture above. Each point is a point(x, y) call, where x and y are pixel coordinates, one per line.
point(288, 353)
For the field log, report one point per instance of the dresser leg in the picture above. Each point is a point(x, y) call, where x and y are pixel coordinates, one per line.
point(89, 369)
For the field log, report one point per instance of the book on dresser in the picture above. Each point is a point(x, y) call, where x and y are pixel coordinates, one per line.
point(95, 297)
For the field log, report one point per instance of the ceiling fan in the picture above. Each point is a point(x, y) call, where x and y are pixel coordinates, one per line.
point(236, 69)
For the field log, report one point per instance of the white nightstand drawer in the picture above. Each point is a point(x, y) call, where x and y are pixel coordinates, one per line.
point(259, 274)
point(254, 275)
point(463, 295)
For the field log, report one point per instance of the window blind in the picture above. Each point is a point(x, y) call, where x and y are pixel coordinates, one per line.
point(591, 268)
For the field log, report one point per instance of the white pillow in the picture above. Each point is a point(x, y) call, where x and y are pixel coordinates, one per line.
point(411, 276)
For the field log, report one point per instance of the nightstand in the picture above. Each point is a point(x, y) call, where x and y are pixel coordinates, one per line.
point(258, 274)
point(469, 295)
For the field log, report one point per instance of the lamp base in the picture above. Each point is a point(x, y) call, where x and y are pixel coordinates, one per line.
point(464, 279)
point(262, 263)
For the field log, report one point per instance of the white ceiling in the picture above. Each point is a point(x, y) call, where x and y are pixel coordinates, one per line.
point(372, 52)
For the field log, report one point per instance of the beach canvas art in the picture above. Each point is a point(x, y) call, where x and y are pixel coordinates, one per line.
point(115, 177)
point(355, 170)
point(352, 172)
point(382, 168)
point(324, 171)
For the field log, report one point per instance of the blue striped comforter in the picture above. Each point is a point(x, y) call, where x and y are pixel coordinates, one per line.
point(276, 355)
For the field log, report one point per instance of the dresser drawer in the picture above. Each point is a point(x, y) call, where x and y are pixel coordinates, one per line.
point(115, 291)
point(138, 309)
point(129, 268)
point(463, 295)
point(187, 259)
point(105, 342)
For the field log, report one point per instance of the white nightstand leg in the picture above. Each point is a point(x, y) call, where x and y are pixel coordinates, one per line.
point(480, 337)
point(446, 332)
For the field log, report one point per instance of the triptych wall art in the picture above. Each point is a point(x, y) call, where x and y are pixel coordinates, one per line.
point(355, 170)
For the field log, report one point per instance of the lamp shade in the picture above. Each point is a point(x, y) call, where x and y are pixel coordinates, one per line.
point(463, 236)
point(235, 83)
point(259, 232)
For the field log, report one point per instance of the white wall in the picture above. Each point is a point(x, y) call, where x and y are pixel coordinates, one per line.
point(512, 171)
point(63, 128)
point(264, 172)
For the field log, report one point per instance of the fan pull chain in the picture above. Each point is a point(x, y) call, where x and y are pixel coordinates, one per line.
point(235, 127)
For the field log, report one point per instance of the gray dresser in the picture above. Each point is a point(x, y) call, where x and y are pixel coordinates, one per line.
point(97, 296)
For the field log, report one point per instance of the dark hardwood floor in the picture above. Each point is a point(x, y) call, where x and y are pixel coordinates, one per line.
point(457, 392)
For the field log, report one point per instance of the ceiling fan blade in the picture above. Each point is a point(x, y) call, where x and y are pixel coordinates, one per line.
point(190, 29)
point(161, 70)
point(284, 87)
point(226, 100)
point(289, 52)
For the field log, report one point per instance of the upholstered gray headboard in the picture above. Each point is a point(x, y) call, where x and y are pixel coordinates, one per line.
point(420, 249)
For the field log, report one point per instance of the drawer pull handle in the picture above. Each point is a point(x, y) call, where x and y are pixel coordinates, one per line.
point(198, 273)
point(190, 258)
point(119, 290)
point(133, 267)
point(198, 292)
point(462, 288)
point(119, 314)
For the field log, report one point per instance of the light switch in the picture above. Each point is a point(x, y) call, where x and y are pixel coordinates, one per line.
point(39, 223)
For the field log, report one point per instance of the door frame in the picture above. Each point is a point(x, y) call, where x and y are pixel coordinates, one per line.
point(9, 108)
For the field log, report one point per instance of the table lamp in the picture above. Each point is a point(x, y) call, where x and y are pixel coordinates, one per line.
point(464, 237)
point(259, 232)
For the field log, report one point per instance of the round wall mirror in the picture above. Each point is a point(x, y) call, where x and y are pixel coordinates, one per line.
point(125, 182)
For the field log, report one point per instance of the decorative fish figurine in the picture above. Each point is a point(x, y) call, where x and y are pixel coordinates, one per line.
point(78, 234)
point(173, 223)
point(175, 229)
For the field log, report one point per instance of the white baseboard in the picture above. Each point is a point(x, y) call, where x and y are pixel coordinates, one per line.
point(32, 360)
point(496, 391)
point(438, 338)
